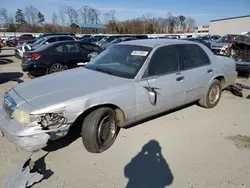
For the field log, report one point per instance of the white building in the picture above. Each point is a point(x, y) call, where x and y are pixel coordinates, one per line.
point(203, 29)
point(234, 25)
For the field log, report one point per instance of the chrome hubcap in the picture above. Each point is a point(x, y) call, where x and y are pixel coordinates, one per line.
point(214, 94)
point(57, 68)
point(106, 131)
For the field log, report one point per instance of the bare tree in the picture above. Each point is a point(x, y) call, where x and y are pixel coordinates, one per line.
point(94, 15)
point(71, 13)
point(84, 12)
point(31, 14)
point(110, 19)
point(4, 16)
point(54, 18)
point(190, 24)
point(62, 15)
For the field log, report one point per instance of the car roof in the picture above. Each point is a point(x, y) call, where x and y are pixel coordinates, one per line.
point(67, 41)
point(52, 36)
point(156, 42)
point(127, 38)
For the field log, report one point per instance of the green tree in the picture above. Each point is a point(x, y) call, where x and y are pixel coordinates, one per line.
point(150, 28)
point(41, 18)
point(182, 19)
point(20, 17)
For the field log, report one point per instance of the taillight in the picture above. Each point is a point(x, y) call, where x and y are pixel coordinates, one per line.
point(35, 56)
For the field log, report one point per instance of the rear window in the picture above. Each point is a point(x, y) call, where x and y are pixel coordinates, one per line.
point(67, 47)
point(90, 47)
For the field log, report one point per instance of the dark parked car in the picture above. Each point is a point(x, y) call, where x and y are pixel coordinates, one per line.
point(116, 41)
point(20, 49)
point(208, 44)
point(45, 35)
point(57, 57)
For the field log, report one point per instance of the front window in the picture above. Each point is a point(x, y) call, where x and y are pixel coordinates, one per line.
point(120, 60)
point(104, 39)
point(110, 39)
point(223, 39)
point(40, 40)
point(116, 41)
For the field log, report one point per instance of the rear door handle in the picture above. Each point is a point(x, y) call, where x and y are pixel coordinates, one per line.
point(180, 78)
point(209, 70)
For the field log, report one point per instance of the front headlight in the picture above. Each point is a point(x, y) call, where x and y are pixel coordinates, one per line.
point(48, 120)
point(25, 118)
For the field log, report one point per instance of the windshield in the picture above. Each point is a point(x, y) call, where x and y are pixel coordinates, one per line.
point(116, 41)
point(39, 41)
point(104, 39)
point(120, 60)
point(110, 39)
point(223, 39)
point(40, 36)
point(247, 34)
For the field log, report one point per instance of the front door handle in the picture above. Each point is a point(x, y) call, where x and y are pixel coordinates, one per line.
point(180, 78)
point(209, 70)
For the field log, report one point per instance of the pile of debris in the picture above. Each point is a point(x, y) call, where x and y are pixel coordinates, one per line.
point(236, 89)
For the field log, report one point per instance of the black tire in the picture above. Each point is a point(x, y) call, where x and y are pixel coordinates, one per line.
point(92, 129)
point(50, 71)
point(205, 101)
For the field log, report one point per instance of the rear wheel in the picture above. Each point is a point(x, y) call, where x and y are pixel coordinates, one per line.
point(56, 67)
point(99, 130)
point(212, 97)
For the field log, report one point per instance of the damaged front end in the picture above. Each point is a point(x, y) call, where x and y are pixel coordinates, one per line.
point(30, 132)
point(239, 48)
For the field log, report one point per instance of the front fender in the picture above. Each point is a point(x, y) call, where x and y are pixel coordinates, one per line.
point(125, 100)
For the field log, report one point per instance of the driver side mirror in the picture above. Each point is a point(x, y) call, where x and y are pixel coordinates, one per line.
point(152, 97)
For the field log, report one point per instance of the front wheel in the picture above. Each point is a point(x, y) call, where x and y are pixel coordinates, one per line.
point(99, 130)
point(213, 95)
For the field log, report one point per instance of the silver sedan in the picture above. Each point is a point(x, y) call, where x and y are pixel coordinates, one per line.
point(128, 82)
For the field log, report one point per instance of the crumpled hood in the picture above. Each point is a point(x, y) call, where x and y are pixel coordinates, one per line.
point(64, 86)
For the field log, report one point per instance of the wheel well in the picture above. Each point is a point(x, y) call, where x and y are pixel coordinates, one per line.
point(221, 79)
point(119, 114)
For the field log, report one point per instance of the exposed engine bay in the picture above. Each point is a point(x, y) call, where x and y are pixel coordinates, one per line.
point(239, 49)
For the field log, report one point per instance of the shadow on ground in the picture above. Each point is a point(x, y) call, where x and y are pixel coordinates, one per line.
point(63, 142)
point(7, 48)
point(41, 165)
point(148, 168)
point(4, 61)
point(9, 55)
point(10, 76)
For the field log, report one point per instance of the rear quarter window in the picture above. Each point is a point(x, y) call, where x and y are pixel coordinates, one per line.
point(90, 47)
point(193, 56)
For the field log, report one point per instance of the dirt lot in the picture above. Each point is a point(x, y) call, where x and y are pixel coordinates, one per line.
point(198, 148)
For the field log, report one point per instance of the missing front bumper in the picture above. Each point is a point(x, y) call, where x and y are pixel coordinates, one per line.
point(26, 175)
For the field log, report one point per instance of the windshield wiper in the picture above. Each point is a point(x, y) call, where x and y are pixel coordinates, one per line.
point(103, 70)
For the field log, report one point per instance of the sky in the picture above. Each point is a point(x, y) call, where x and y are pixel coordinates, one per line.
point(201, 10)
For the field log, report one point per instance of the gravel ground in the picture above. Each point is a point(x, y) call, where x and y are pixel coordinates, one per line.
point(192, 147)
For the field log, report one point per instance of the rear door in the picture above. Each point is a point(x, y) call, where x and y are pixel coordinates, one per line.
point(196, 69)
point(69, 53)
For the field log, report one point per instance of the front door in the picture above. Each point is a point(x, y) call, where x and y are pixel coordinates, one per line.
point(163, 77)
point(197, 71)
